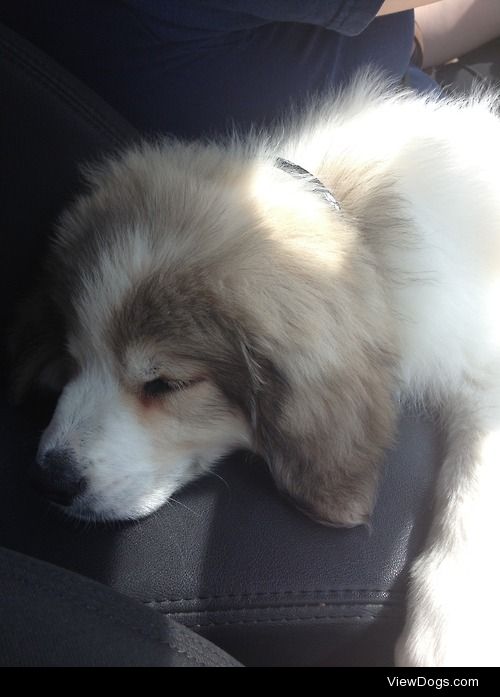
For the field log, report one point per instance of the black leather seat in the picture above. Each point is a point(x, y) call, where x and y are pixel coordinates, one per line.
point(230, 558)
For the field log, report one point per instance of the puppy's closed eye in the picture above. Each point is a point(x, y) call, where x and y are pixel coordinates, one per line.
point(161, 386)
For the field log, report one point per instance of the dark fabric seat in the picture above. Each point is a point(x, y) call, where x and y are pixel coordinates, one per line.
point(229, 558)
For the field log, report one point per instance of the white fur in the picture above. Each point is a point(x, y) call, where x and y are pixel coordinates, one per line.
point(133, 466)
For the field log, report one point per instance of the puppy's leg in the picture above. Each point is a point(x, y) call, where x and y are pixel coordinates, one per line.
point(453, 614)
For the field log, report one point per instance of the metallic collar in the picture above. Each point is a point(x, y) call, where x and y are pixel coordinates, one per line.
point(319, 187)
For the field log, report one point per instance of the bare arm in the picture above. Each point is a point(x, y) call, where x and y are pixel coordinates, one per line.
point(452, 27)
point(391, 6)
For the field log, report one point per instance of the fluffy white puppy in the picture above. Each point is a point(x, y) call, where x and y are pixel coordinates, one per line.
point(208, 296)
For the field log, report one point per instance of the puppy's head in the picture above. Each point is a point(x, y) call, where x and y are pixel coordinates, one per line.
point(195, 316)
point(151, 401)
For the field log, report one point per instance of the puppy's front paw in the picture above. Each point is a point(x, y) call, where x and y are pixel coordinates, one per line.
point(450, 620)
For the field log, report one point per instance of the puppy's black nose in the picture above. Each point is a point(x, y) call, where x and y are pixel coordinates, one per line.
point(57, 477)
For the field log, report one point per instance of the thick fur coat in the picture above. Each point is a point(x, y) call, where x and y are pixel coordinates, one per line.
point(197, 298)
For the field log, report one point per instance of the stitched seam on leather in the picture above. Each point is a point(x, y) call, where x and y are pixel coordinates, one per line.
point(207, 651)
point(98, 611)
point(269, 608)
point(283, 620)
point(65, 93)
point(273, 594)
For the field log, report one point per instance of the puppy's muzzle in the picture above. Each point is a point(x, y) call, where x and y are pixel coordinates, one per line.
point(57, 477)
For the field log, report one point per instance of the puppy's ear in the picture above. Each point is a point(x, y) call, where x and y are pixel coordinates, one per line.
point(36, 346)
point(323, 439)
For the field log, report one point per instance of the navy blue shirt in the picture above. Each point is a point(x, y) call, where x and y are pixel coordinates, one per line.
point(195, 67)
